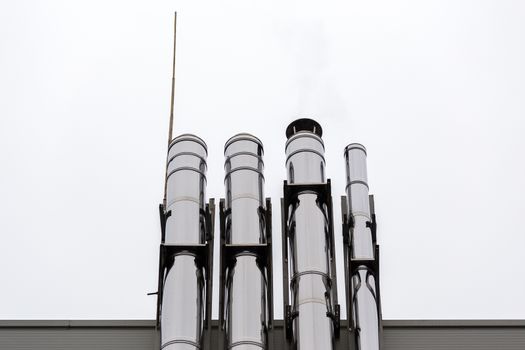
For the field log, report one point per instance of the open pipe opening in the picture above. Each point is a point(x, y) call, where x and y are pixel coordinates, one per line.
point(365, 303)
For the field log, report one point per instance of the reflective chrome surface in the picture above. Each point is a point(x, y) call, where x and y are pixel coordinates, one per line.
point(305, 159)
point(244, 182)
point(183, 295)
point(246, 309)
point(309, 243)
point(364, 303)
point(364, 308)
point(182, 305)
point(358, 201)
point(186, 190)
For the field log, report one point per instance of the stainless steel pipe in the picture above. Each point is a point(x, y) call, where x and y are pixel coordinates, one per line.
point(183, 295)
point(246, 285)
point(363, 283)
point(308, 239)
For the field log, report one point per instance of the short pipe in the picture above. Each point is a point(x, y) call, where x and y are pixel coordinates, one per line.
point(364, 302)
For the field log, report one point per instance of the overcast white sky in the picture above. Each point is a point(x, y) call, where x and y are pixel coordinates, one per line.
point(434, 89)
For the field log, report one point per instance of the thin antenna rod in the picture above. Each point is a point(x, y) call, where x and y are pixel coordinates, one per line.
point(170, 130)
point(170, 134)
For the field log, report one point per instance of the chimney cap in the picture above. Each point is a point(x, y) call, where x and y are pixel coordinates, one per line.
point(304, 124)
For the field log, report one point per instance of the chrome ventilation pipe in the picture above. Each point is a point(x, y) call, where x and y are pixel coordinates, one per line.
point(183, 294)
point(365, 304)
point(308, 218)
point(245, 290)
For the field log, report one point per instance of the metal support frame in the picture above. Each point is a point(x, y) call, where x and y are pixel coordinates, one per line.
point(204, 257)
point(228, 254)
point(324, 195)
point(351, 266)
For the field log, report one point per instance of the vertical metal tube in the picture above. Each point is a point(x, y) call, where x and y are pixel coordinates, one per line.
point(183, 295)
point(363, 281)
point(310, 248)
point(246, 284)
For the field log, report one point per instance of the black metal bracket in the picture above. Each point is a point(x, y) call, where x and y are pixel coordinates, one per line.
point(203, 257)
point(335, 316)
point(288, 321)
point(228, 255)
point(324, 197)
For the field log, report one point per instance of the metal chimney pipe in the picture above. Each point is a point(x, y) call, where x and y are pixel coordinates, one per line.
point(183, 294)
point(246, 314)
point(311, 251)
point(365, 296)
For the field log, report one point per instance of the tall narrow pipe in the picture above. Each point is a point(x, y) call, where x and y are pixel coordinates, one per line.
point(363, 281)
point(183, 295)
point(246, 285)
point(309, 243)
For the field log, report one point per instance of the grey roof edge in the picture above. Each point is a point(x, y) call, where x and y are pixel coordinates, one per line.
point(151, 323)
point(77, 323)
point(452, 323)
